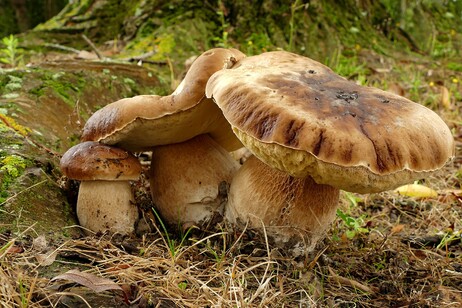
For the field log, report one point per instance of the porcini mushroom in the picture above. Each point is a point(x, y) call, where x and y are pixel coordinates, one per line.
point(105, 200)
point(144, 122)
point(188, 178)
point(297, 116)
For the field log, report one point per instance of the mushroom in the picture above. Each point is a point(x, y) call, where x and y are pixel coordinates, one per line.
point(166, 125)
point(317, 128)
point(105, 200)
point(190, 180)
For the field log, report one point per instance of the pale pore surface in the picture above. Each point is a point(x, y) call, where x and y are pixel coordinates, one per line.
point(297, 115)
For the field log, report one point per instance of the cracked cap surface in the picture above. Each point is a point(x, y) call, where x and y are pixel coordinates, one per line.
point(298, 116)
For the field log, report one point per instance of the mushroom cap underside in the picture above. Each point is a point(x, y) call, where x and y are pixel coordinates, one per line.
point(297, 115)
point(89, 161)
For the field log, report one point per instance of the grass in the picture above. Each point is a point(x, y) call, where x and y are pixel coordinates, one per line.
point(380, 268)
point(411, 256)
point(173, 245)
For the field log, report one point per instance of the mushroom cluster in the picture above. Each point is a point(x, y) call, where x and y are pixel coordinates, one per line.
point(190, 142)
point(311, 133)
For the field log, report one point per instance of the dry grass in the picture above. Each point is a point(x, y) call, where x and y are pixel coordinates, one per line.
point(399, 262)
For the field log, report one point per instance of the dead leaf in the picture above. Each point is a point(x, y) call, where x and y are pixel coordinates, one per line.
point(93, 282)
point(450, 195)
point(445, 100)
point(419, 254)
point(40, 243)
point(396, 229)
point(416, 191)
point(14, 249)
point(118, 267)
point(449, 295)
point(46, 259)
point(396, 89)
point(86, 55)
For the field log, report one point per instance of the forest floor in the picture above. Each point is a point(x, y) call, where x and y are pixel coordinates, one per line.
point(384, 250)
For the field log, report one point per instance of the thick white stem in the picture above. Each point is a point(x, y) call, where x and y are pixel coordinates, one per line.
point(186, 179)
point(295, 212)
point(107, 205)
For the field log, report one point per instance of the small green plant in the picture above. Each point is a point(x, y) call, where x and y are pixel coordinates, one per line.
point(183, 285)
point(11, 167)
point(353, 224)
point(449, 237)
point(294, 7)
point(223, 40)
point(11, 53)
point(172, 244)
point(219, 256)
point(23, 293)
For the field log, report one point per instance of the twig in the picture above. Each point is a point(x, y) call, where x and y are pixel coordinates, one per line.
point(350, 282)
point(95, 49)
point(61, 47)
point(142, 58)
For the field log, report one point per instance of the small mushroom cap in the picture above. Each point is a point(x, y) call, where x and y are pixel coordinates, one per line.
point(90, 161)
point(144, 121)
point(297, 115)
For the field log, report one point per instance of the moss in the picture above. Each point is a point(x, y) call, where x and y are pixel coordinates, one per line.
point(11, 167)
point(42, 203)
point(65, 88)
point(8, 84)
point(10, 122)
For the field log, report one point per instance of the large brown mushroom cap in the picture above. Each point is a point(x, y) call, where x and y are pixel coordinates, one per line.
point(143, 121)
point(299, 116)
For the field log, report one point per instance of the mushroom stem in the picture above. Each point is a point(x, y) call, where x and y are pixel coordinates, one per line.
point(107, 205)
point(189, 180)
point(289, 208)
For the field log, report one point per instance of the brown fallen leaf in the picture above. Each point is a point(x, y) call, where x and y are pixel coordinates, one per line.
point(40, 243)
point(445, 100)
point(90, 281)
point(86, 55)
point(397, 229)
point(449, 295)
point(396, 89)
point(450, 195)
point(46, 259)
point(13, 249)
